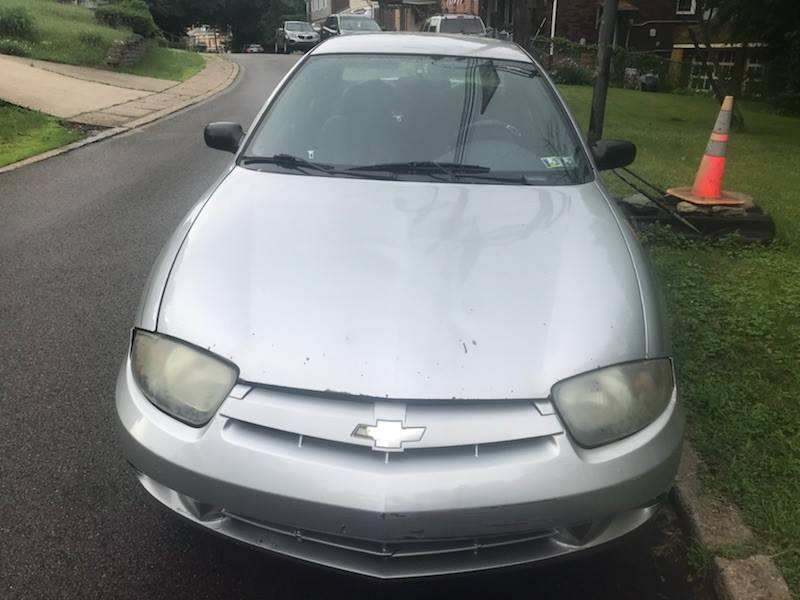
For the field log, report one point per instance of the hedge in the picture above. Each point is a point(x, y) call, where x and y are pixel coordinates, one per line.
point(128, 13)
point(16, 22)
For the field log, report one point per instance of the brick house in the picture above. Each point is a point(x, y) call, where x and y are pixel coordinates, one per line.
point(660, 27)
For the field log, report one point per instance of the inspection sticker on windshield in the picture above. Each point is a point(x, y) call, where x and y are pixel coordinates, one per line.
point(557, 162)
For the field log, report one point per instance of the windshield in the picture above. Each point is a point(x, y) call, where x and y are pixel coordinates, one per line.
point(358, 24)
point(297, 26)
point(461, 25)
point(351, 111)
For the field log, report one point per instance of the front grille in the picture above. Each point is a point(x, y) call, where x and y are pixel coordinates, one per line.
point(280, 420)
point(398, 549)
point(272, 440)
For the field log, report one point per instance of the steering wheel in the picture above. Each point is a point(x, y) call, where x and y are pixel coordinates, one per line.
point(494, 129)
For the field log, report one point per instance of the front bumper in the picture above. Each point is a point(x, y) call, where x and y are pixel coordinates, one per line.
point(426, 511)
point(304, 45)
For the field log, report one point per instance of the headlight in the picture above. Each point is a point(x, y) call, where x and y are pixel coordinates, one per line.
point(606, 405)
point(184, 381)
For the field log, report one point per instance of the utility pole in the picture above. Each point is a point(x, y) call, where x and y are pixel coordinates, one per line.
point(608, 23)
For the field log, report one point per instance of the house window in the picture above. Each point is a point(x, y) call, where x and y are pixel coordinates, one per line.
point(699, 74)
point(753, 76)
point(686, 7)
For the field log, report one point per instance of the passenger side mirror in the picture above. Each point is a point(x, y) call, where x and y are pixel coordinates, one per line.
point(223, 135)
point(613, 154)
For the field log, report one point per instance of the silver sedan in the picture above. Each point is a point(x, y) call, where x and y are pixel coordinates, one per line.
point(407, 332)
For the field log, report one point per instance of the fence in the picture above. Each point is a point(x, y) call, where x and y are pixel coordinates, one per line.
point(573, 63)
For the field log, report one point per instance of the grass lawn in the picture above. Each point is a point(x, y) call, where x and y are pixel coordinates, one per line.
point(67, 33)
point(166, 63)
point(24, 133)
point(70, 34)
point(734, 312)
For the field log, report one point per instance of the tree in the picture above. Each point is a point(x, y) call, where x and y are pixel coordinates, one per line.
point(243, 18)
point(250, 21)
point(174, 16)
point(279, 11)
point(775, 23)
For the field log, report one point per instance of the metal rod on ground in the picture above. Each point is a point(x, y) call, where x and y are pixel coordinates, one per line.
point(608, 23)
point(658, 203)
point(656, 189)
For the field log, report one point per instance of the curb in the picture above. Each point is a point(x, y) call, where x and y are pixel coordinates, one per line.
point(719, 527)
point(115, 131)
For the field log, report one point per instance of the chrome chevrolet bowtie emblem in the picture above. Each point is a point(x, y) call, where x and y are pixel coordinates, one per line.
point(388, 435)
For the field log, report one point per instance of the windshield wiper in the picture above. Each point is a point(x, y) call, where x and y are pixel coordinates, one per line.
point(451, 172)
point(288, 161)
point(520, 179)
point(425, 166)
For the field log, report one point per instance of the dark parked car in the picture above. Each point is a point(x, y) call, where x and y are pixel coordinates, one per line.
point(254, 49)
point(295, 35)
point(346, 24)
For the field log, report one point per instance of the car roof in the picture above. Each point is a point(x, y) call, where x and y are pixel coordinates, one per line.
point(421, 43)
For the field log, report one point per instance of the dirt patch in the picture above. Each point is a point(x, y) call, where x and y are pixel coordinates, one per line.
point(83, 128)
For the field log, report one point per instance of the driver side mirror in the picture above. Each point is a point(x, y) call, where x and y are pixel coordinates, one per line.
point(223, 135)
point(613, 154)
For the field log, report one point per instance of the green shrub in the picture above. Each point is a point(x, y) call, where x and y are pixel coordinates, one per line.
point(92, 39)
point(15, 47)
point(572, 75)
point(787, 103)
point(128, 13)
point(16, 22)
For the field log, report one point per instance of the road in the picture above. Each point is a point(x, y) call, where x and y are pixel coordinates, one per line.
point(78, 234)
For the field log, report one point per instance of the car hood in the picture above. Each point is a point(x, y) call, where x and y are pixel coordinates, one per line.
point(405, 289)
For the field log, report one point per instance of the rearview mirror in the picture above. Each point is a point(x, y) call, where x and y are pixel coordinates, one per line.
point(613, 154)
point(223, 135)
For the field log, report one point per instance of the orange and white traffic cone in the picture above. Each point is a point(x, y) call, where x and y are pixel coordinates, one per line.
point(707, 189)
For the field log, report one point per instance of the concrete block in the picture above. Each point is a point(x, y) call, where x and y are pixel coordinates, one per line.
point(715, 523)
point(753, 578)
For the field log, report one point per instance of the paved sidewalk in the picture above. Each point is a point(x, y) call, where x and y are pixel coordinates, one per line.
point(105, 98)
point(112, 78)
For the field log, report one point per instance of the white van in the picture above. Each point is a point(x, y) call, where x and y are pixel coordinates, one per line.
point(465, 24)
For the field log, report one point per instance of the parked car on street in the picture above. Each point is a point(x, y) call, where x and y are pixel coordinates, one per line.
point(454, 23)
point(254, 49)
point(407, 331)
point(347, 24)
point(295, 35)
